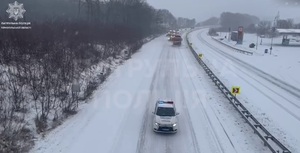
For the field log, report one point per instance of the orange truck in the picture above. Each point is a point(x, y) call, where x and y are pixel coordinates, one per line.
point(177, 40)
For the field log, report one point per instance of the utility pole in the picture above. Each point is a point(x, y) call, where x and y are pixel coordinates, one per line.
point(229, 31)
point(273, 30)
point(271, 45)
point(256, 41)
point(272, 35)
point(256, 27)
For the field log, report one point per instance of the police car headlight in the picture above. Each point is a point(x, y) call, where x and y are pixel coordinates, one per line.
point(174, 125)
point(157, 124)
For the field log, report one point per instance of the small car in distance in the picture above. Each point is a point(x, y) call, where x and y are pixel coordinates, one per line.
point(165, 117)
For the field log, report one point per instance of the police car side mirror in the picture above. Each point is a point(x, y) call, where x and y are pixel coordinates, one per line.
point(177, 113)
point(152, 112)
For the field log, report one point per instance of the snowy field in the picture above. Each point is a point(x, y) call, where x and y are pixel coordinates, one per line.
point(270, 84)
point(283, 62)
point(119, 118)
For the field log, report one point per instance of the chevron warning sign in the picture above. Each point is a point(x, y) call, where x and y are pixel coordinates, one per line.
point(236, 90)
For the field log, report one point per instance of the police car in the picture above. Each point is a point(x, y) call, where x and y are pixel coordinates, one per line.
point(165, 117)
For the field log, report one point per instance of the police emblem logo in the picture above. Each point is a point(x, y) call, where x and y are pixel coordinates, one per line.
point(15, 10)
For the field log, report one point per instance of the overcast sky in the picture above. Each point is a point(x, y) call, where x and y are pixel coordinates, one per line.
point(203, 9)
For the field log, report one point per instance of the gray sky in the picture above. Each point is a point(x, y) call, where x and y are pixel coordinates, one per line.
point(203, 9)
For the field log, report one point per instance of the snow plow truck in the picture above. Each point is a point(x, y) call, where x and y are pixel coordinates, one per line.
point(177, 40)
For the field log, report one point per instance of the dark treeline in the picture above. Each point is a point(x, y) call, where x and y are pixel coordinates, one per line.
point(209, 22)
point(38, 67)
point(231, 21)
point(93, 21)
point(184, 22)
point(234, 20)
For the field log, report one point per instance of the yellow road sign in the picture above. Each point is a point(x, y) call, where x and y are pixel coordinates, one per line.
point(236, 90)
point(200, 55)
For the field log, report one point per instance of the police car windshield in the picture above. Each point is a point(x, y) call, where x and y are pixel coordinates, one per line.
point(165, 111)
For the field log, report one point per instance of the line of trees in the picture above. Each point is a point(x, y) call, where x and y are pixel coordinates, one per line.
point(39, 66)
point(234, 20)
point(184, 22)
point(231, 21)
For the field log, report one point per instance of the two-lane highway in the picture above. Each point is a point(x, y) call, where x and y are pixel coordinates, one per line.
point(119, 117)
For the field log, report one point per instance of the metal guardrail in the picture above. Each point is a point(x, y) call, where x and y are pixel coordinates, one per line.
point(268, 139)
point(236, 49)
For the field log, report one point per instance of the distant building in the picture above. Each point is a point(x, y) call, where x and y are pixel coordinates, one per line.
point(234, 35)
point(238, 35)
point(288, 32)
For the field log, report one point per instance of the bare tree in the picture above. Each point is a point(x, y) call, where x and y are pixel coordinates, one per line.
point(16, 89)
point(263, 27)
point(285, 24)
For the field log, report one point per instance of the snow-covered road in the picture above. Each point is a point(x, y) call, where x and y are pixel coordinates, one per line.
point(275, 102)
point(119, 116)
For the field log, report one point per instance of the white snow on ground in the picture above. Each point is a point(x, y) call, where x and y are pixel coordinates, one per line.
point(119, 118)
point(284, 61)
point(270, 85)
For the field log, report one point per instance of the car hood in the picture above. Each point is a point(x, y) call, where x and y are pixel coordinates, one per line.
point(165, 119)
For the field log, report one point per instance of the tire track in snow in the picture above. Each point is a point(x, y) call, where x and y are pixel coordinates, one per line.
point(125, 117)
point(163, 85)
point(142, 136)
point(212, 130)
point(120, 134)
point(186, 111)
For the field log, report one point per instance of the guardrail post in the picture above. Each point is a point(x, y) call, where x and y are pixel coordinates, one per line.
point(268, 137)
point(257, 125)
point(237, 103)
point(248, 115)
point(245, 111)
